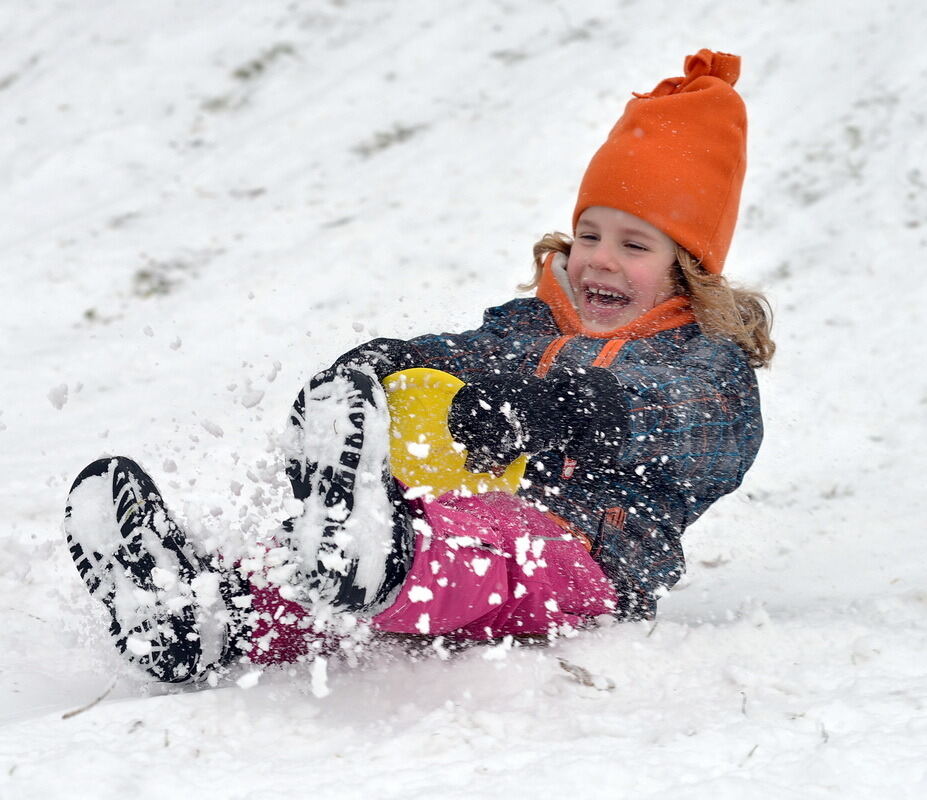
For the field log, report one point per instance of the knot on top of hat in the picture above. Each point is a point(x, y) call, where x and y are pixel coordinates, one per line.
point(705, 62)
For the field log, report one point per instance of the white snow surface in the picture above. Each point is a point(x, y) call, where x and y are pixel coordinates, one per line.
point(272, 183)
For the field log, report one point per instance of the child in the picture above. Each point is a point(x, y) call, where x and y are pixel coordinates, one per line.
point(628, 380)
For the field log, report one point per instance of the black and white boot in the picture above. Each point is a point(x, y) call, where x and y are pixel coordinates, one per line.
point(174, 612)
point(353, 540)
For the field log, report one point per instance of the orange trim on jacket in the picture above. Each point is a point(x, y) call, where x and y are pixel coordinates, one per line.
point(570, 528)
point(549, 354)
point(609, 352)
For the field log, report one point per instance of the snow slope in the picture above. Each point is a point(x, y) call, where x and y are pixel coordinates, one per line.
point(205, 202)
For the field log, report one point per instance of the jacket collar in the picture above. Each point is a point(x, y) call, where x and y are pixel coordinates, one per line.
point(554, 289)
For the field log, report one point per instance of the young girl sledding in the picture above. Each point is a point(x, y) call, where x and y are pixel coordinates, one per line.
point(628, 380)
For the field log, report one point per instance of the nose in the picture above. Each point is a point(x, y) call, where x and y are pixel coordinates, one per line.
point(605, 258)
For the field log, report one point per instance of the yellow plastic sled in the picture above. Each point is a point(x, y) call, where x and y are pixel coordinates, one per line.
point(422, 453)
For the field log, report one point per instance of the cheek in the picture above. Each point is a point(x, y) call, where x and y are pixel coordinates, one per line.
point(573, 269)
point(652, 283)
point(663, 271)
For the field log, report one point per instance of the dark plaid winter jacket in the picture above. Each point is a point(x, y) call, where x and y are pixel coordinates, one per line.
point(692, 429)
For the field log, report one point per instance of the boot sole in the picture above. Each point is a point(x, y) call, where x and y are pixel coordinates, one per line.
point(166, 643)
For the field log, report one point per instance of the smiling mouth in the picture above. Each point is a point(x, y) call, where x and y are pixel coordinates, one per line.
point(596, 296)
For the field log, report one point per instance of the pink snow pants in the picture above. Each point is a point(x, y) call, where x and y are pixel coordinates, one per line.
point(484, 567)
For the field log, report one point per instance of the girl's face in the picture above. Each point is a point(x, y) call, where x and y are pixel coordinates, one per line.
point(619, 268)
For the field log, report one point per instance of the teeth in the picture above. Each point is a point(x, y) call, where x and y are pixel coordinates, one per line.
point(603, 292)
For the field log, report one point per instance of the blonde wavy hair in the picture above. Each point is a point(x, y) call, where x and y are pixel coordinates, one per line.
point(741, 315)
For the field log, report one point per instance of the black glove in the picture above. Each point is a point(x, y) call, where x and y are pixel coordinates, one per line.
point(497, 417)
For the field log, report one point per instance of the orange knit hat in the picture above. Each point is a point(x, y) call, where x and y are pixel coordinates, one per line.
point(676, 158)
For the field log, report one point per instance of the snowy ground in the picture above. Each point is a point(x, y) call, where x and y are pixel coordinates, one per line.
point(205, 202)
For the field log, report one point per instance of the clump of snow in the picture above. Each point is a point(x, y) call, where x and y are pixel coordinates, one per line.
point(206, 588)
point(250, 679)
point(251, 398)
point(420, 594)
point(138, 647)
point(418, 449)
point(415, 492)
point(480, 565)
point(212, 428)
point(164, 578)
point(93, 519)
point(500, 651)
point(58, 395)
point(319, 678)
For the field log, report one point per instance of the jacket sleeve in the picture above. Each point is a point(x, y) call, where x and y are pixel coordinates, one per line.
point(464, 354)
